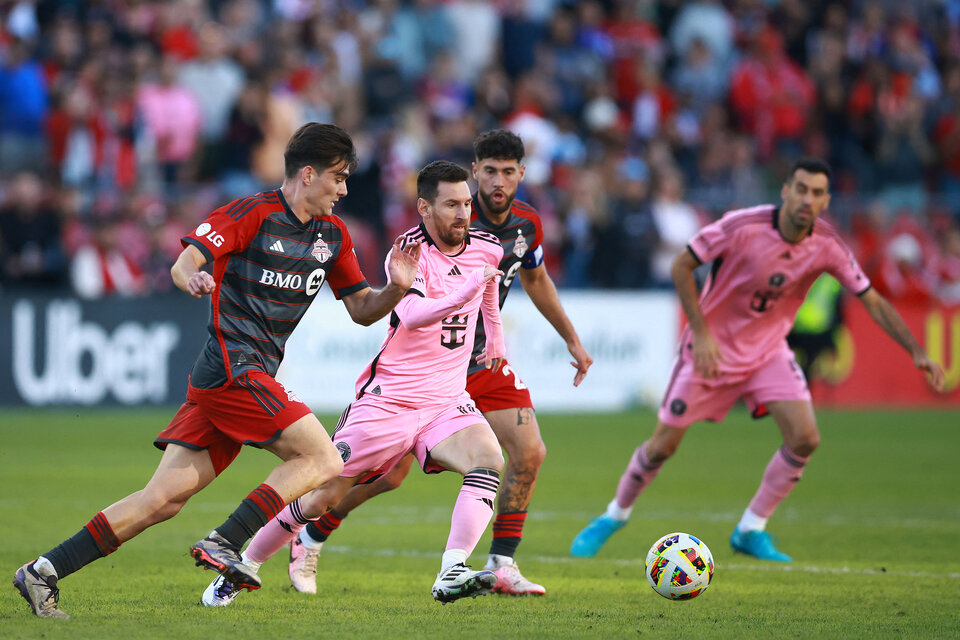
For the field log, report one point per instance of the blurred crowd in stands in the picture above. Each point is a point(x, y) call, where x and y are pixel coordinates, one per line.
point(123, 123)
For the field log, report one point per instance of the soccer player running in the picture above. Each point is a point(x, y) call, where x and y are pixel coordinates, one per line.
point(411, 398)
point(271, 253)
point(502, 396)
point(764, 260)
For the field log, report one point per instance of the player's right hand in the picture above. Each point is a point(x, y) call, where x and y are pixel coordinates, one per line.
point(706, 356)
point(934, 371)
point(201, 283)
point(490, 272)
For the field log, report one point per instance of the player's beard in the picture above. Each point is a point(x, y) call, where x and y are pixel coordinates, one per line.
point(494, 208)
point(453, 236)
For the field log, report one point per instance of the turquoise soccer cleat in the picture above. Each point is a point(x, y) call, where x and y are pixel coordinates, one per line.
point(589, 541)
point(758, 544)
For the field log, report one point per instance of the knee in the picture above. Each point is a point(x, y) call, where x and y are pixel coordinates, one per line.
point(488, 459)
point(315, 504)
point(658, 451)
point(530, 457)
point(805, 444)
point(390, 481)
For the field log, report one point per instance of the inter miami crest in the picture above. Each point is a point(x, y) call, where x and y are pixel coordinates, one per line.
point(320, 250)
point(520, 246)
point(344, 450)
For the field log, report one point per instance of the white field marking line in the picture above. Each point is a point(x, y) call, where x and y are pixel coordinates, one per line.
point(772, 567)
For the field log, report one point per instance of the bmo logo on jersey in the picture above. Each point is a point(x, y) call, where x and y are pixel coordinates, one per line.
point(311, 284)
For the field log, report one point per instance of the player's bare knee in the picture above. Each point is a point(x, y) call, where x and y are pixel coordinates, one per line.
point(389, 482)
point(491, 459)
point(530, 458)
point(805, 444)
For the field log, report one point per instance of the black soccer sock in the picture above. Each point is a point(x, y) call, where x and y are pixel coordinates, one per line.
point(256, 510)
point(507, 533)
point(321, 528)
point(95, 540)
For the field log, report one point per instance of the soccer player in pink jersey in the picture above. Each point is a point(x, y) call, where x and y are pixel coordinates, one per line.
point(764, 261)
point(412, 396)
point(501, 396)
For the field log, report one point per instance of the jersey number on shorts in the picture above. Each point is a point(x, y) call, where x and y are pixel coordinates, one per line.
point(517, 382)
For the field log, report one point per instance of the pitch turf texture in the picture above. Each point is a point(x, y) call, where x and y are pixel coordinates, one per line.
point(873, 527)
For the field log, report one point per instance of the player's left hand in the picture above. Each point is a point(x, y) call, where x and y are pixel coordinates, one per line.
point(402, 267)
point(581, 362)
point(933, 370)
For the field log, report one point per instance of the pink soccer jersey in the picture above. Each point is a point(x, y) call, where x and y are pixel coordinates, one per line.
point(428, 365)
point(759, 280)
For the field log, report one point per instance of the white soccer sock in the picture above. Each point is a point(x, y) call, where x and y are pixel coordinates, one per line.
point(452, 557)
point(495, 561)
point(253, 564)
point(44, 567)
point(309, 541)
point(617, 512)
point(751, 522)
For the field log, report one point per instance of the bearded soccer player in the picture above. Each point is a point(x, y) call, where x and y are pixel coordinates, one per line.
point(764, 260)
point(501, 395)
point(411, 398)
point(271, 253)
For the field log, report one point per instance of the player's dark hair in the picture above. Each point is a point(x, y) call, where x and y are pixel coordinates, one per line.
point(320, 146)
point(498, 144)
point(430, 177)
point(810, 165)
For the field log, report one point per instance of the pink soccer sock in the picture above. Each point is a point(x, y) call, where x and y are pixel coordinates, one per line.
point(639, 473)
point(781, 476)
point(473, 510)
point(277, 533)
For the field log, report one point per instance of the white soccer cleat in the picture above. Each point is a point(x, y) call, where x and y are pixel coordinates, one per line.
point(512, 583)
point(459, 581)
point(303, 567)
point(219, 593)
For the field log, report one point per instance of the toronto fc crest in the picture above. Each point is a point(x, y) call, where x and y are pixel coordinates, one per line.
point(320, 250)
point(520, 246)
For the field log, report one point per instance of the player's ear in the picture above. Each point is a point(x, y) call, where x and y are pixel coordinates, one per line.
point(523, 169)
point(423, 208)
point(307, 174)
point(474, 169)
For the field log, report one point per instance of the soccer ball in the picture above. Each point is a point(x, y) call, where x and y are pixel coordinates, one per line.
point(679, 566)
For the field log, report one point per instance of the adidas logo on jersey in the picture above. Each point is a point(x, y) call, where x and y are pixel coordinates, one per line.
point(455, 271)
point(277, 246)
point(376, 390)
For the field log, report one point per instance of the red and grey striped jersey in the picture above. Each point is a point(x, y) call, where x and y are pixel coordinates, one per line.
point(268, 267)
point(521, 235)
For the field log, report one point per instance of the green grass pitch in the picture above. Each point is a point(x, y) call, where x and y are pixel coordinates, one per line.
point(874, 528)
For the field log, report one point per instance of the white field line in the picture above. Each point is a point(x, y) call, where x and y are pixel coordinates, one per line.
point(638, 562)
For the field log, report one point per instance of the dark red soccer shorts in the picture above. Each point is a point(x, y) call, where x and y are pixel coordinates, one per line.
point(254, 409)
point(501, 390)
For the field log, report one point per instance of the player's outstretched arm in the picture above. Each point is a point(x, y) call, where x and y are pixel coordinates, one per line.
point(416, 312)
point(495, 349)
point(543, 293)
point(890, 320)
point(368, 305)
point(706, 353)
point(187, 275)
